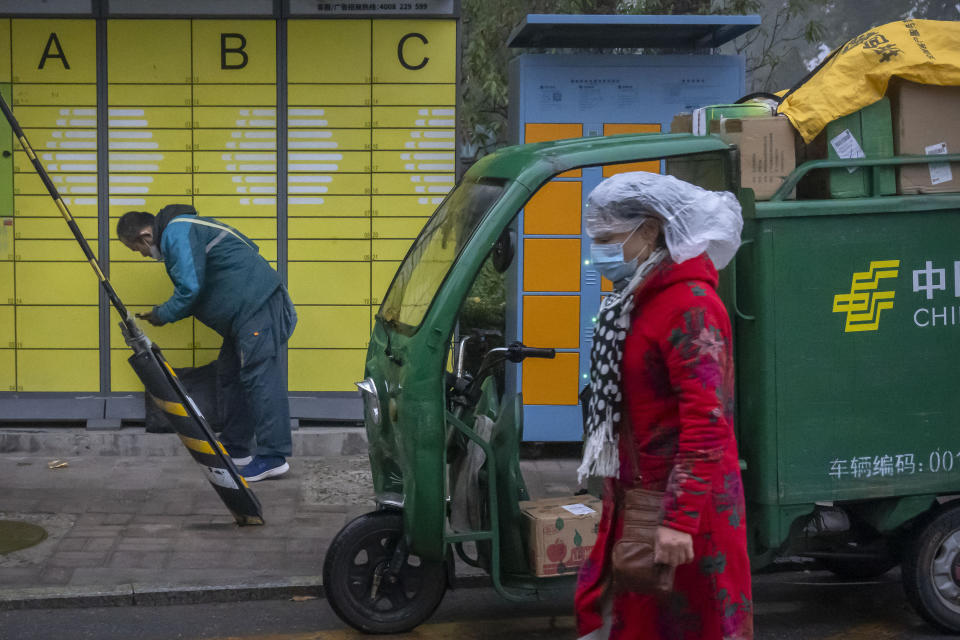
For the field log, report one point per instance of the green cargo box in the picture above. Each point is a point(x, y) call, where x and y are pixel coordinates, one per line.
point(848, 314)
point(866, 133)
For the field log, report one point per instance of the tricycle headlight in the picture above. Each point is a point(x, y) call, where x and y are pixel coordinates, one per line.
point(371, 400)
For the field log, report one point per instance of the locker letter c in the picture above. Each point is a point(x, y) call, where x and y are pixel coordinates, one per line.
point(224, 50)
point(53, 40)
point(403, 61)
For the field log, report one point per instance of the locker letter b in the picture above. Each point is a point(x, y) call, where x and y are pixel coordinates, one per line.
point(224, 50)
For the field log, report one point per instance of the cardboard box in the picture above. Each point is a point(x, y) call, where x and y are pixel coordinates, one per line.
point(926, 122)
point(867, 133)
point(767, 151)
point(561, 533)
point(682, 123)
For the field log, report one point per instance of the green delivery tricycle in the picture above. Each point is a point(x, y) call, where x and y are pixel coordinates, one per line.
point(845, 318)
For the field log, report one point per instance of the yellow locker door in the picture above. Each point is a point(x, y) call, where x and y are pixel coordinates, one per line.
point(328, 51)
point(333, 250)
point(325, 369)
point(56, 283)
point(406, 206)
point(58, 370)
point(8, 333)
point(252, 206)
point(334, 283)
point(414, 51)
point(234, 51)
point(310, 205)
point(7, 285)
point(331, 327)
point(148, 51)
point(54, 51)
point(74, 327)
point(8, 370)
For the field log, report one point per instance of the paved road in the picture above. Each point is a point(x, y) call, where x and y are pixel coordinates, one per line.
point(790, 606)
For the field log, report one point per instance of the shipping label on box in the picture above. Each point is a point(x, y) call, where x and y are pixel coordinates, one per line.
point(561, 533)
point(767, 151)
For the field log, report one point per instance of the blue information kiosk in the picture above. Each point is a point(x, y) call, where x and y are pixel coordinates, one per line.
point(552, 292)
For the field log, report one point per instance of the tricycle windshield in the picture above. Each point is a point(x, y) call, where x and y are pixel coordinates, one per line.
point(435, 251)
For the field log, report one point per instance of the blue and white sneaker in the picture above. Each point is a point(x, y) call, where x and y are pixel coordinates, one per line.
point(263, 467)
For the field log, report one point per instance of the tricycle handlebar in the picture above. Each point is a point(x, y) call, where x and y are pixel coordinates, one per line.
point(516, 352)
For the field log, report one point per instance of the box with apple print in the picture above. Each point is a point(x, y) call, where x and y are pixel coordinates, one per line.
point(560, 533)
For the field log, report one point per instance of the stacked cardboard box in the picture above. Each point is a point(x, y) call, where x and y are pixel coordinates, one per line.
point(915, 119)
point(767, 151)
point(926, 121)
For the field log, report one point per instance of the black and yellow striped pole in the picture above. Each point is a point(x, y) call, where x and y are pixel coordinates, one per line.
point(158, 377)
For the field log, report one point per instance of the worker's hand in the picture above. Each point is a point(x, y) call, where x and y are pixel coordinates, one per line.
point(672, 547)
point(152, 319)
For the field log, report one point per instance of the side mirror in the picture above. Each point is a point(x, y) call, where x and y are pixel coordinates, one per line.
point(504, 250)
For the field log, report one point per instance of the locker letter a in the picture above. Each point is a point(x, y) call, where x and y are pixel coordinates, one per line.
point(53, 40)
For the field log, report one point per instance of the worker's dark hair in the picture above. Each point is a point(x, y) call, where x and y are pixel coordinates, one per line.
point(131, 224)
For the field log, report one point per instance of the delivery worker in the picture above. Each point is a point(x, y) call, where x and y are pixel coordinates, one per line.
point(220, 278)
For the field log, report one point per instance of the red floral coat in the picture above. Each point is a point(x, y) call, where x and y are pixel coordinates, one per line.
point(678, 387)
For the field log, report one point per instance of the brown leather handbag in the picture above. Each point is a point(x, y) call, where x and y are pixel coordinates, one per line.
point(633, 568)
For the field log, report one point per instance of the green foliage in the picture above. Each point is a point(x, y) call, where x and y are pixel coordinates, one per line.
point(485, 307)
point(484, 91)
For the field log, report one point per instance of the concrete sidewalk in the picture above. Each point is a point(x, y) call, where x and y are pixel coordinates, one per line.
point(149, 529)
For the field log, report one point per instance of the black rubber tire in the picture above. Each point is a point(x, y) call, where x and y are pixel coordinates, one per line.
point(857, 568)
point(356, 552)
point(926, 555)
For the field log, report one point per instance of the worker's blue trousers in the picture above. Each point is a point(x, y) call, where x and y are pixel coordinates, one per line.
point(252, 382)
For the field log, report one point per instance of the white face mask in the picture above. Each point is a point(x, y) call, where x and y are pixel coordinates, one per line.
point(155, 253)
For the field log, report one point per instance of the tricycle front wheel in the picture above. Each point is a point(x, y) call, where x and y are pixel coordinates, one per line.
point(931, 571)
point(363, 590)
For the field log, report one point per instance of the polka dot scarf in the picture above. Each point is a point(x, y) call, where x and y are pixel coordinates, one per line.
point(600, 449)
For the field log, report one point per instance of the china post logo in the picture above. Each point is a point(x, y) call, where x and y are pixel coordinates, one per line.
point(866, 299)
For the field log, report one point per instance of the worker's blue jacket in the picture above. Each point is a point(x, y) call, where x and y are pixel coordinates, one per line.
point(218, 274)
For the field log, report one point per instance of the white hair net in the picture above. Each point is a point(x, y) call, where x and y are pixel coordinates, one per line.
point(694, 219)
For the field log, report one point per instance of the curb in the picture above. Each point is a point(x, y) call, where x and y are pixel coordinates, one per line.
point(64, 442)
point(133, 594)
point(151, 595)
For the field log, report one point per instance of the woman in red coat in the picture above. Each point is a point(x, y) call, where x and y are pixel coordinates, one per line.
point(662, 358)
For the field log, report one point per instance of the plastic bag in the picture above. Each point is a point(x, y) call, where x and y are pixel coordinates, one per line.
point(694, 219)
point(857, 73)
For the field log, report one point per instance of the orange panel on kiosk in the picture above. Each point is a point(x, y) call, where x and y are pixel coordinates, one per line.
point(551, 322)
point(555, 381)
point(554, 209)
point(612, 129)
point(551, 264)
point(545, 132)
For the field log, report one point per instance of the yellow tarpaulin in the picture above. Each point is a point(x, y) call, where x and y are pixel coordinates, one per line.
point(857, 74)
